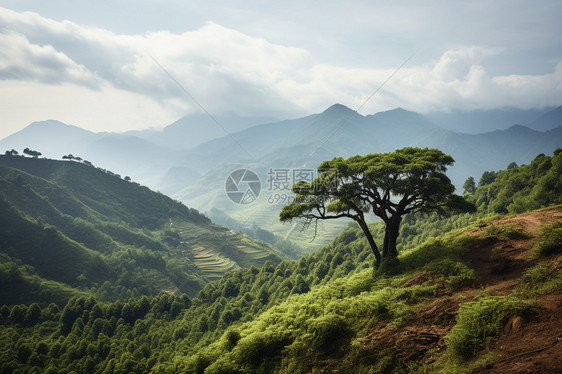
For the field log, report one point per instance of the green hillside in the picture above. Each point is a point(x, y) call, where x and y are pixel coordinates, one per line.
point(462, 283)
point(88, 230)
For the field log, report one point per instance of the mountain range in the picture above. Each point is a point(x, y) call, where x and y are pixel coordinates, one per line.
point(191, 158)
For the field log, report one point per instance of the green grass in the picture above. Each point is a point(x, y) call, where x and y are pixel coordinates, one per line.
point(480, 320)
point(507, 232)
point(549, 241)
point(540, 279)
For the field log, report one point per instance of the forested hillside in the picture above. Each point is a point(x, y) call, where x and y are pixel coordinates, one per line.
point(442, 308)
point(68, 229)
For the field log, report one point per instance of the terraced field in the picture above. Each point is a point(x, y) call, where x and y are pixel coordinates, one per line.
point(216, 250)
point(211, 263)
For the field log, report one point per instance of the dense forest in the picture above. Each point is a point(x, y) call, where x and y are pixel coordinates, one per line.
point(314, 314)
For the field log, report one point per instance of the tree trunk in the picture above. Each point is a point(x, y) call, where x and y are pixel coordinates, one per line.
point(390, 237)
point(371, 241)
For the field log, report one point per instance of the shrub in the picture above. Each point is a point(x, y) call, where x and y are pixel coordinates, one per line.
point(507, 232)
point(456, 273)
point(327, 331)
point(549, 240)
point(231, 338)
point(541, 280)
point(479, 320)
point(259, 348)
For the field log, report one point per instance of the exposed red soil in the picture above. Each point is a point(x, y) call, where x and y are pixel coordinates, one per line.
point(532, 346)
point(411, 343)
point(528, 346)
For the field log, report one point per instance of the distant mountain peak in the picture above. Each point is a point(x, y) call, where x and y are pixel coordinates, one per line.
point(400, 115)
point(47, 122)
point(399, 110)
point(53, 124)
point(520, 129)
point(339, 109)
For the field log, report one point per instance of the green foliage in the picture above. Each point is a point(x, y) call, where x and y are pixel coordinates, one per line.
point(549, 240)
point(507, 232)
point(541, 279)
point(83, 230)
point(390, 185)
point(469, 186)
point(289, 316)
point(480, 320)
point(327, 332)
point(521, 189)
point(487, 177)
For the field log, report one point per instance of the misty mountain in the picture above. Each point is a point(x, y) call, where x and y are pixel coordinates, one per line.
point(190, 131)
point(339, 131)
point(549, 120)
point(482, 121)
point(197, 175)
point(120, 153)
point(50, 137)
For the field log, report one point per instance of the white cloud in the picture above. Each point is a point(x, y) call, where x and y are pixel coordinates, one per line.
point(23, 60)
point(456, 64)
point(228, 72)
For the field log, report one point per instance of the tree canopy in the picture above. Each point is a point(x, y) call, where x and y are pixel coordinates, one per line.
point(390, 185)
point(32, 153)
point(469, 185)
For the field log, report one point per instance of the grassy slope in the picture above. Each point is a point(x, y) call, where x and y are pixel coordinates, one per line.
point(83, 227)
point(404, 322)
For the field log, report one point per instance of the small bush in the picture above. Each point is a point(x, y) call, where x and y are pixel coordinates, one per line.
point(433, 249)
point(259, 348)
point(507, 232)
point(541, 280)
point(414, 294)
point(456, 273)
point(549, 240)
point(327, 332)
point(480, 320)
point(231, 338)
point(388, 266)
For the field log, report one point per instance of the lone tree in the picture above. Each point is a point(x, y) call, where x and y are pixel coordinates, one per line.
point(32, 153)
point(13, 152)
point(390, 185)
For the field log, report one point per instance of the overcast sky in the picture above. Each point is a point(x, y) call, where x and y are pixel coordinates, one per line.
point(98, 64)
